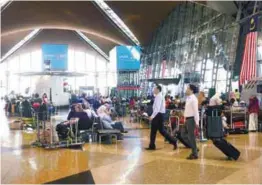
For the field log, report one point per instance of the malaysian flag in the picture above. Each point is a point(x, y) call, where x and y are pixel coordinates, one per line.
point(249, 63)
point(163, 64)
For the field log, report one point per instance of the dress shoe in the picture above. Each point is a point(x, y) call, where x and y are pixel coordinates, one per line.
point(192, 157)
point(150, 148)
point(175, 146)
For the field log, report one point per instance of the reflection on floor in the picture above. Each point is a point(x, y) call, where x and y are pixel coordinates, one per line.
point(126, 161)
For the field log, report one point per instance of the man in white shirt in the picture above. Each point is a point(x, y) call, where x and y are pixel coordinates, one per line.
point(192, 119)
point(157, 120)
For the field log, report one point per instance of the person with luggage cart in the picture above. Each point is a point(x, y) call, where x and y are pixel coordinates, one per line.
point(157, 120)
point(192, 119)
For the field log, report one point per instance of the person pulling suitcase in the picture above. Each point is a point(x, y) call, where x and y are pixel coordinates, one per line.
point(192, 119)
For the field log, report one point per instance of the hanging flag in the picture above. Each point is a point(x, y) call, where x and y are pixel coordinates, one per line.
point(163, 64)
point(249, 62)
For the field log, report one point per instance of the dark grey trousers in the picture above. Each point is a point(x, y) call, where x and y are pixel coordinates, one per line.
point(190, 128)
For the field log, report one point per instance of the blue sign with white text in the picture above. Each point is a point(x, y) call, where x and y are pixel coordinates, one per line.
point(128, 58)
point(55, 57)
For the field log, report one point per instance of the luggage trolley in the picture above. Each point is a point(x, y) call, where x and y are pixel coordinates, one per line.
point(238, 121)
point(53, 141)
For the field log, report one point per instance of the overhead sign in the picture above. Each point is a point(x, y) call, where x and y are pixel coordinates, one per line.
point(128, 58)
point(55, 57)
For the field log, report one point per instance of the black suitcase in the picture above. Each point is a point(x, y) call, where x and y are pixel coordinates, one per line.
point(181, 135)
point(228, 149)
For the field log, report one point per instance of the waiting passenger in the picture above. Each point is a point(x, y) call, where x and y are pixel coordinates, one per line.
point(104, 114)
point(215, 100)
point(253, 110)
point(90, 113)
point(201, 98)
point(77, 111)
point(44, 99)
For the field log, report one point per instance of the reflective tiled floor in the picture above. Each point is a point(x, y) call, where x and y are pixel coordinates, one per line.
point(127, 161)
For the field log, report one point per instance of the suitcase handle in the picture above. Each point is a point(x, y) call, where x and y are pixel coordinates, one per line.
point(216, 112)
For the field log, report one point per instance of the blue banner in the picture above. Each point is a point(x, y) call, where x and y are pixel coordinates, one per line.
point(128, 58)
point(55, 57)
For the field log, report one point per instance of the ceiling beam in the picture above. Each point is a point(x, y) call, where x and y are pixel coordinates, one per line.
point(21, 43)
point(116, 19)
point(93, 45)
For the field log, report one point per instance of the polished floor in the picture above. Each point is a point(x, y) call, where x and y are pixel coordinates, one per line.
point(126, 162)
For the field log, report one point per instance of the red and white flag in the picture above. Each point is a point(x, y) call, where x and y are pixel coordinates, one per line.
point(249, 62)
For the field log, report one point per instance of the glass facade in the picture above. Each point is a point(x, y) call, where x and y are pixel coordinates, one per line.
point(195, 42)
point(99, 73)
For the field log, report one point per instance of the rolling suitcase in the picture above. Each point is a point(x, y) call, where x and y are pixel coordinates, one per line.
point(225, 147)
point(214, 125)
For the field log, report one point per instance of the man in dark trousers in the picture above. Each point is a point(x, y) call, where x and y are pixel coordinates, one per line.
point(192, 119)
point(157, 120)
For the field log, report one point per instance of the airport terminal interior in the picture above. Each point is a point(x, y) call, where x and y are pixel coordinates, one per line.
point(131, 92)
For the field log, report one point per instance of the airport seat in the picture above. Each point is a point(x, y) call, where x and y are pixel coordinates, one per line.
point(111, 133)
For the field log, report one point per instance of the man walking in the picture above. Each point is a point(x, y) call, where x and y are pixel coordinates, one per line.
point(157, 120)
point(192, 119)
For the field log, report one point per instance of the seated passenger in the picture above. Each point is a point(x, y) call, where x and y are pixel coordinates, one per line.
point(90, 113)
point(77, 113)
point(84, 122)
point(104, 114)
point(215, 100)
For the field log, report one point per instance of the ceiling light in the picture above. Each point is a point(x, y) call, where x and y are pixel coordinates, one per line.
point(93, 45)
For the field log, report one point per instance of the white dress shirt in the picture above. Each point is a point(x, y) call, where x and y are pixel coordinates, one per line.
point(191, 108)
point(158, 106)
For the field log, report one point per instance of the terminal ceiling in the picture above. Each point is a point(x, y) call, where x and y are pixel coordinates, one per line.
point(142, 17)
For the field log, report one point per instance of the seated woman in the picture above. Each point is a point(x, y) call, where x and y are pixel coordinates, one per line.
point(104, 114)
point(84, 122)
point(76, 114)
point(90, 113)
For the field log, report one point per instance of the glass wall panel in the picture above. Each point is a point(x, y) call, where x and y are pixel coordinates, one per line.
point(25, 62)
point(78, 61)
point(71, 60)
point(90, 62)
point(197, 35)
point(36, 62)
point(101, 65)
point(80, 64)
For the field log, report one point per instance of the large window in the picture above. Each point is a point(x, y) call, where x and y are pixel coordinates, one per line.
point(12, 77)
point(193, 38)
point(80, 61)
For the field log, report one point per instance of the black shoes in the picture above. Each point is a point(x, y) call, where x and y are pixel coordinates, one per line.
point(150, 148)
point(175, 146)
point(192, 157)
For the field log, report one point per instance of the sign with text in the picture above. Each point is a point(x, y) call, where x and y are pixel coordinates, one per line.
point(55, 57)
point(128, 58)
